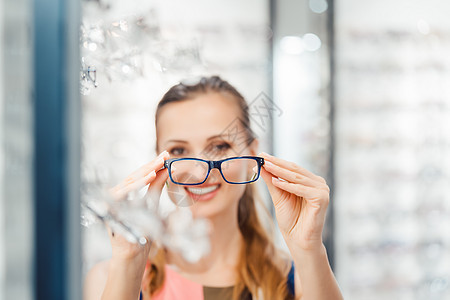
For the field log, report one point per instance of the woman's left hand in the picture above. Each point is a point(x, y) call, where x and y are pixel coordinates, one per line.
point(300, 198)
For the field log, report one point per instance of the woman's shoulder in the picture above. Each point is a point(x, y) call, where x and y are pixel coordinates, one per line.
point(95, 280)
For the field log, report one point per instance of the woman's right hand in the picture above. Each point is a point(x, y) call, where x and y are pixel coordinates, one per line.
point(149, 174)
point(121, 277)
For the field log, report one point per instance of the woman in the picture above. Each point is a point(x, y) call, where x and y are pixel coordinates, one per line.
point(191, 122)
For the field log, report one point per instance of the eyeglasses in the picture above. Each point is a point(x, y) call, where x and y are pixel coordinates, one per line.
point(234, 170)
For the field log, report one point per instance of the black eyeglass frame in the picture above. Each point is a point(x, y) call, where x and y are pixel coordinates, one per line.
point(214, 164)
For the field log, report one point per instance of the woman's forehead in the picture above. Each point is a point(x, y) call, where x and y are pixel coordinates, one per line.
point(205, 115)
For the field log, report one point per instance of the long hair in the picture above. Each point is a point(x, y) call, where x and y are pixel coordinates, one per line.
point(260, 268)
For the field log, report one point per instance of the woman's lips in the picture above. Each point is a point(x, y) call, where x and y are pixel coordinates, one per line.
point(203, 193)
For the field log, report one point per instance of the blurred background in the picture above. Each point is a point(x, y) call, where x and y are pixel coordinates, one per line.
point(356, 91)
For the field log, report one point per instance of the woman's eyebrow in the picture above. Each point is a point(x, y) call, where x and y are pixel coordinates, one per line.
point(220, 136)
point(176, 141)
point(216, 136)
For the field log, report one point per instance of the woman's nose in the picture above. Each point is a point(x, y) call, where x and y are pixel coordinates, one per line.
point(214, 175)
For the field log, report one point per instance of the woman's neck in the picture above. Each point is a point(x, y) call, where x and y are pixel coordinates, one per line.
point(226, 239)
point(218, 268)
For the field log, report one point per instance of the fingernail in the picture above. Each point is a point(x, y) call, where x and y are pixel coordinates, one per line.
point(278, 179)
point(163, 153)
point(268, 164)
point(255, 169)
point(150, 175)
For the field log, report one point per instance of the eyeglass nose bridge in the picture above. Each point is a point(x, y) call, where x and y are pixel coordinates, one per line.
point(215, 164)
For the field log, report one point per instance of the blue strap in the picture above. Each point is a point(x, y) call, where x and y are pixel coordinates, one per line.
point(291, 280)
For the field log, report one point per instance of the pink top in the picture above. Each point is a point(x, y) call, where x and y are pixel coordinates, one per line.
point(176, 286)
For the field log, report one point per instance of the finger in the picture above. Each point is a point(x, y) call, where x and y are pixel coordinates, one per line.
point(117, 237)
point(112, 235)
point(289, 176)
point(267, 177)
point(290, 166)
point(310, 194)
point(123, 190)
point(154, 190)
point(153, 165)
point(141, 177)
point(110, 232)
point(140, 183)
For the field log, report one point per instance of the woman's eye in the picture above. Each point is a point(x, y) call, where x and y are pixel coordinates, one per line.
point(177, 151)
point(221, 147)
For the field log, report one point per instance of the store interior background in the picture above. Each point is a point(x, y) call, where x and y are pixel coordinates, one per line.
point(359, 93)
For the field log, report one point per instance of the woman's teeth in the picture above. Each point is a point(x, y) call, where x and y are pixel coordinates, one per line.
point(202, 191)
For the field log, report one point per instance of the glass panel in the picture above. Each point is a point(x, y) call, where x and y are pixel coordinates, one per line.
point(239, 169)
point(131, 54)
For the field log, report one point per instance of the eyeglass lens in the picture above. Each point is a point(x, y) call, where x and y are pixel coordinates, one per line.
point(236, 170)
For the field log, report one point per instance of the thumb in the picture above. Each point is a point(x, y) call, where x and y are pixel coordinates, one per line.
point(267, 177)
point(155, 188)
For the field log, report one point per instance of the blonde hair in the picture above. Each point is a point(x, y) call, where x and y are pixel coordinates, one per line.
point(261, 267)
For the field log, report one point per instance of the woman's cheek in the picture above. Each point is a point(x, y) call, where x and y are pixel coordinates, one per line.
point(178, 195)
point(234, 191)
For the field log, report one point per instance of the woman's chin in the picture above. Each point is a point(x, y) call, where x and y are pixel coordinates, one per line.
point(207, 209)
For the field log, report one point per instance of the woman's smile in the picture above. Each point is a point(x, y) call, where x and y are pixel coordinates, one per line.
point(202, 193)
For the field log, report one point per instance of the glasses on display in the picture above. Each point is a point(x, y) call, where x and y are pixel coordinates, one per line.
point(195, 171)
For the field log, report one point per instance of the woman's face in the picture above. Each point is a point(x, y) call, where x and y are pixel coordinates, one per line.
point(208, 127)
